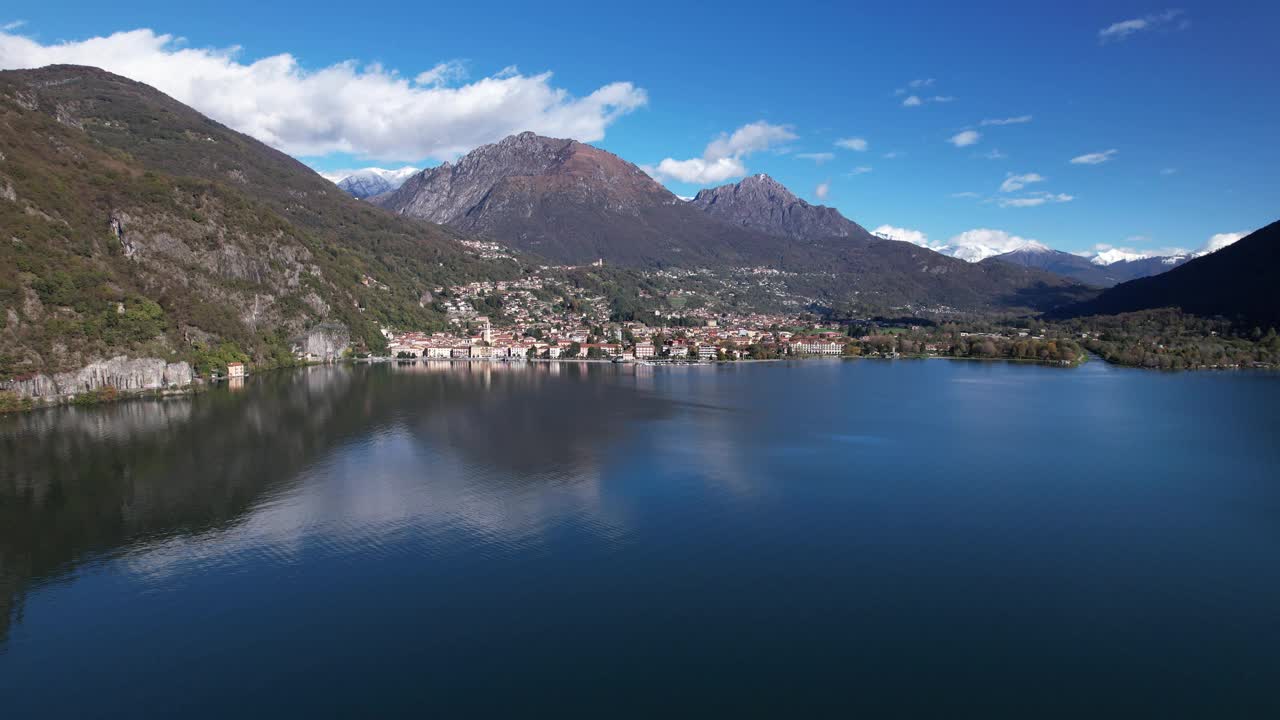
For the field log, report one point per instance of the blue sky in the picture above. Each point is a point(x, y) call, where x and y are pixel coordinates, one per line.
point(1184, 94)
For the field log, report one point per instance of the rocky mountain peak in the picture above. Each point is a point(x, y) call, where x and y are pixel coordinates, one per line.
point(760, 202)
point(519, 172)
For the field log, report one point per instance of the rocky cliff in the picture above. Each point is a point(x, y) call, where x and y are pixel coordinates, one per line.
point(326, 341)
point(121, 373)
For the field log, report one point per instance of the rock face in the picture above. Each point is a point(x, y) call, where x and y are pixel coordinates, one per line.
point(764, 204)
point(326, 341)
point(121, 373)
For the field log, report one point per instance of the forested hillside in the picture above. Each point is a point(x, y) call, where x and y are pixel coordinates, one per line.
point(133, 224)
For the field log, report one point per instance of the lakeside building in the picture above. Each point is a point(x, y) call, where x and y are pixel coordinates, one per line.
point(235, 370)
point(816, 346)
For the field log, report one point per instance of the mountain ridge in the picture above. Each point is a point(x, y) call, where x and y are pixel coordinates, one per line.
point(137, 226)
point(1084, 269)
point(574, 203)
point(1237, 282)
point(762, 203)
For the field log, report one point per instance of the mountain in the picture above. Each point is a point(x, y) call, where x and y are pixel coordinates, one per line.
point(574, 203)
point(134, 225)
point(1083, 269)
point(369, 182)
point(1144, 267)
point(762, 203)
point(1240, 282)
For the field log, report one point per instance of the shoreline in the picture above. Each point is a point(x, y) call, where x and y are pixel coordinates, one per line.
point(106, 395)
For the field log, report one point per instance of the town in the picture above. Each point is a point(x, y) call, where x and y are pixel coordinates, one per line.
point(541, 318)
point(751, 337)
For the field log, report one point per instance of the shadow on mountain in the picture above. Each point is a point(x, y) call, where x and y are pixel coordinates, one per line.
point(1045, 297)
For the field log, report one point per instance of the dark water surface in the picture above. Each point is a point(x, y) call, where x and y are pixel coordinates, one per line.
point(827, 538)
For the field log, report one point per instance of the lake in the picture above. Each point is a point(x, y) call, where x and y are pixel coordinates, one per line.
point(816, 537)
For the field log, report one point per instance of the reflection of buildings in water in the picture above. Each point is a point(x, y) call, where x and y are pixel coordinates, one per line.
point(235, 384)
point(644, 376)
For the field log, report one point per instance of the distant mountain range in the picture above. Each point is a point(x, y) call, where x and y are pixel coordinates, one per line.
point(368, 182)
point(571, 202)
point(574, 203)
point(1237, 282)
point(1084, 269)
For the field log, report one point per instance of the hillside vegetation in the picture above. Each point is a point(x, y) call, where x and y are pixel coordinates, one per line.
point(130, 223)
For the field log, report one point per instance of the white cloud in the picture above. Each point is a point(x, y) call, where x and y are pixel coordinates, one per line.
point(748, 139)
point(817, 158)
point(444, 74)
point(966, 194)
point(1035, 200)
point(1125, 28)
point(367, 111)
point(698, 170)
point(1108, 255)
point(853, 143)
point(965, 138)
point(1105, 254)
point(1221, 240)
point(993, 154)
point(395, 176)
point(1021, 202)
point(723, 157)
point(1168, 171)
point(1006, 121)
point(971, 245)
point(1096, 158)
point(822, 190)
point(915, 237)
point(891, 155)
point(915, 99)
point(861, 170)
point(12, 25)
point(982, 243)
point(1013, 183)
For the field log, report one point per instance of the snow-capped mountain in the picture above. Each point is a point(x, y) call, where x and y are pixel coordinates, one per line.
point(971, 246)
point(1103, 269)
point(978, 252)
point(368, 182)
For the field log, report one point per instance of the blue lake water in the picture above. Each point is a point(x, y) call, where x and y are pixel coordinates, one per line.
point(886, 538)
